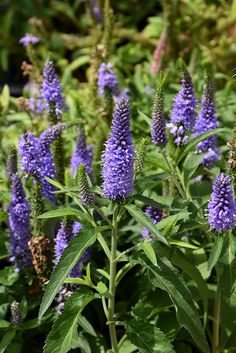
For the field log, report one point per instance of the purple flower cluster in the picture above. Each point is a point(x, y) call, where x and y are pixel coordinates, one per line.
point(82, 154)
point(65, 233)
point(29, 39)
point(207, 121)
point(118, 158)
point(19, 222)
point(221, 208)
point(155, 215)
point(96, 11)
point(183, 112)
point(107, 79)
point(36, 157)
point(37, 104)
point(158, 129)
point(51, 90)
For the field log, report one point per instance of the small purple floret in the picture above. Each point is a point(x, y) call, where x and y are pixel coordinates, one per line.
point(221, 208)
point(156, 216)
point(29, 39)
point(118, 157)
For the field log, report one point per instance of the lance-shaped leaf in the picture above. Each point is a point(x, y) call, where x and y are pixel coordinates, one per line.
point(64, 331)
point(165, 276)
point(70, 257)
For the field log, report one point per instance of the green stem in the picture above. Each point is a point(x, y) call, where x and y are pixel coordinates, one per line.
point(112, 286)
point(216, 322)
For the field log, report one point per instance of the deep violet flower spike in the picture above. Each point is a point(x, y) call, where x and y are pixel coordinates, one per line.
point(118, 158)
point(158, 129)
point(47, 166)
point(107, 79)
point(19, 223)
point(82, 153)
point(207, 121)
point(155, 215)
point(221, 208)
point(29, 39)
point(51, 90)
point(183, 111)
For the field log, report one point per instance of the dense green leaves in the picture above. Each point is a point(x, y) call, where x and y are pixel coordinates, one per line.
point(148, 338)
point(70, 256)
point(165, 276)
point(64, 331)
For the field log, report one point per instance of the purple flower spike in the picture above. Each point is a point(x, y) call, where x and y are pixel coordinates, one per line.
point(207, 121)
point(107, 79)
point(156, 216)
point(158, 129)
point(29, 39)
point(19, 226)
point(51, 89)
point(36, 157)
point(221, 208)
point(119, 155)
point(183, 111)
point(82, 154)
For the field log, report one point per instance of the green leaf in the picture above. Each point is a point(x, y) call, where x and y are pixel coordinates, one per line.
point(215, 252)
point(165, 276)
point(227, 284)
point(171, 220)
point(127, 347)
point(190, 165)
point(103, 290)
point(62, 212)
point(189, 147)
point(148, 338)
point(149, 251)
point(145, 221)
point(4, 323)
point(85, 324)
point(179, 259)
point(6, 340)
point(159, 202)
point(64, 331)
point(182, 244)
point(70, 257)
point(8, 276)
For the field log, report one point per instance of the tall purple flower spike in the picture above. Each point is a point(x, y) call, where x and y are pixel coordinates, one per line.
point(51, 89)
point(155, 215)
point(36, 157)
point(118, 158)
point(183, 112)
point(107, 79)
point(207, 121)
point(82, 154)
point(221, 208)
point(19, 222)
